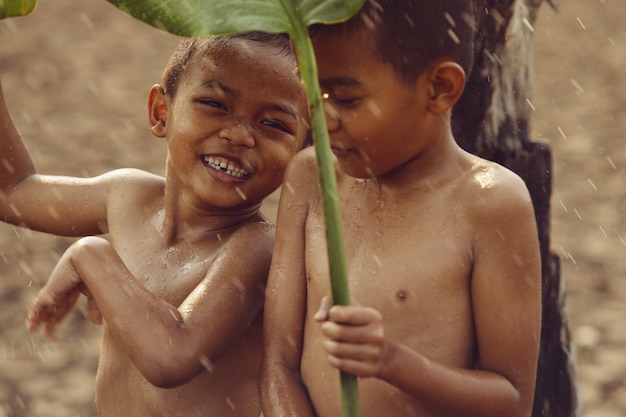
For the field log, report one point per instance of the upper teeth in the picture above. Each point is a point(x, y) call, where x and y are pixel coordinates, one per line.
point(226, 167)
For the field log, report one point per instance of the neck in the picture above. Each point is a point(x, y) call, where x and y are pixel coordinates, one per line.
point(181, 220)
point(439, 163)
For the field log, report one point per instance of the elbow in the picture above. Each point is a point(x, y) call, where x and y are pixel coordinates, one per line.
point(167, 371)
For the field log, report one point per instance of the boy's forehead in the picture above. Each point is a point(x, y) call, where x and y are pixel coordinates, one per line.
point(335, 48)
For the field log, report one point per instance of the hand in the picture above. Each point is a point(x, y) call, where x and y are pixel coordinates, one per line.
point(356, 340)
point(57, 298)
point(93, 311)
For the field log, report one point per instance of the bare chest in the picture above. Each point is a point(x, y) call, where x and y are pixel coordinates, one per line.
point(413, 257)
point(170, 272)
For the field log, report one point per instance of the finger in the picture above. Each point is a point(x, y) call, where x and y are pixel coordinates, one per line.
point(322, 313)
point(50, 330)
point(354, 367)
point(32, 322)
point(353, 351)
point(33, 319)
point(93, 311)
point(354, 315)
point(339, 332)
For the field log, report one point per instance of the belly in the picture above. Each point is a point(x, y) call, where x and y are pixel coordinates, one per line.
point(230, 389)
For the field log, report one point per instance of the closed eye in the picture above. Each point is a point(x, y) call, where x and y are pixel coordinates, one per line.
point(213, 103)
point(342, 100)
point(275, 124)
point(345, 101)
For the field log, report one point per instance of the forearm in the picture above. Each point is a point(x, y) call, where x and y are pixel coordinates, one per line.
point(15, 161)
point(454, 391)
point(137, 319)
point(283, 393)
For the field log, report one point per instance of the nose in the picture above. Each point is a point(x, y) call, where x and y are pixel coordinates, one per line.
point(332, 117)
point(239, 133)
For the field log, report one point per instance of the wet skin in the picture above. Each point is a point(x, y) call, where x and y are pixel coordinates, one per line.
point(180, 284)
point(447, 285)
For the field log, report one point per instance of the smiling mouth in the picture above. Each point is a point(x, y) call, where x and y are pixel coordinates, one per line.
point(227, 167)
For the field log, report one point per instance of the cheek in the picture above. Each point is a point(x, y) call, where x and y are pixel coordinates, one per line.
point(276, 158)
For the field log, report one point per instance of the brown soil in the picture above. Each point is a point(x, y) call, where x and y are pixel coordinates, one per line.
point(76, 75)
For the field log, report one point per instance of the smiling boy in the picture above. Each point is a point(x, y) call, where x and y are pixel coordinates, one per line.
point(441, 246)
point(179, 284)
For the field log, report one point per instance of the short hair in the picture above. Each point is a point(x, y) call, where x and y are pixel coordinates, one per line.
point(411, 35)
point(189, 48)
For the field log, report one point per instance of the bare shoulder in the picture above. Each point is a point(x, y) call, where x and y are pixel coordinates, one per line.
point(301, 177)
point(132, 177)
point(491, 188)
point(255, 237)
point(130, 184)
point(303, 167)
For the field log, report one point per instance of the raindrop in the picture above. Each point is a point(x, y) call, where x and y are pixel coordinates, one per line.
point(608, 158)
point(531, 105)
point(373, 107)
point(454, 37)
point(241, 194)
point(450, 19)
point(528, 25)
point(592, 184)
point(289, 187)
point(569, 255)
point(577, 86)
point(86, 20)
point(561, 132)
point(208, 365)
point(377, 260)
point(24, 267)
point(578, 214)
point(230, 403)
point(602, 230)
point(582, 25)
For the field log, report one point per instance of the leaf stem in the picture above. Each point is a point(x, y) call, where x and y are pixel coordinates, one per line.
point(330, 200)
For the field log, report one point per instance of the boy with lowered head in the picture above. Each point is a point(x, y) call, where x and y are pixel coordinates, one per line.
point(441, 246)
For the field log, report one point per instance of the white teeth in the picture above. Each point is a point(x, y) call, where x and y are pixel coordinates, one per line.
point(226, 167)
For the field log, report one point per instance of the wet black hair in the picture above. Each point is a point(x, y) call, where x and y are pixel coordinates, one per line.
point(188, 49)
point(412, 35)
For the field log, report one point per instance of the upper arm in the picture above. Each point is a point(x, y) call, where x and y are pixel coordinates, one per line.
point(285, 300)
point(223, 306)
point(67, 206)
point(506, 285)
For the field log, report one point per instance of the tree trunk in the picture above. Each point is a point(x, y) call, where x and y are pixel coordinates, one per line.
point(497, 94)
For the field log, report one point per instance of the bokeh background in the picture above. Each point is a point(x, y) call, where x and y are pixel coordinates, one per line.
point(76, 75)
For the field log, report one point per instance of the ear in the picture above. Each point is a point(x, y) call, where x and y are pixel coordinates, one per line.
point(157, 110)
point(447, 81)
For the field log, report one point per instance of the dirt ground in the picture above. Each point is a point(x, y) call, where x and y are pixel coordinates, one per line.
point(76, 75)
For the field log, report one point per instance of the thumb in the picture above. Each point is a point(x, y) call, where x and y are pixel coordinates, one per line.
point(322, 313)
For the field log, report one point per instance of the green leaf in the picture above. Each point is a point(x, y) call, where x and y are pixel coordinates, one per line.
point(203, 17)
point(12, 8)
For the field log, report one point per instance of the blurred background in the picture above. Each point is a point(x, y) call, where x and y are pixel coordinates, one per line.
point(76, 77)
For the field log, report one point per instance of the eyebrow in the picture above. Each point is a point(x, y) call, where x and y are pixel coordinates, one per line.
point(217, 85)
point(339, 80)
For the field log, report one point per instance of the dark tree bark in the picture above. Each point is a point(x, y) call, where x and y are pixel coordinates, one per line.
point(492, 121)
